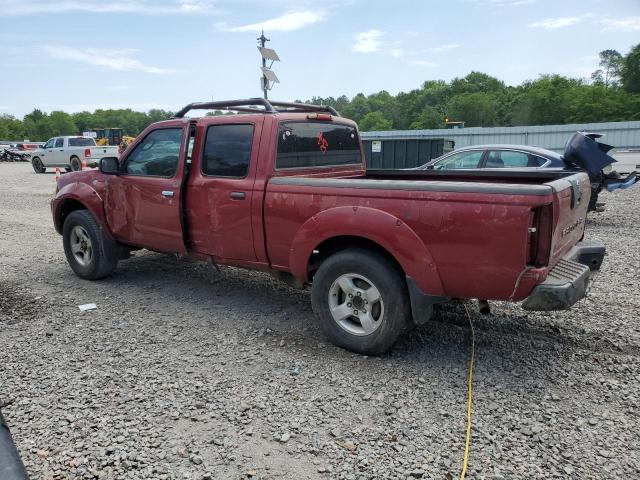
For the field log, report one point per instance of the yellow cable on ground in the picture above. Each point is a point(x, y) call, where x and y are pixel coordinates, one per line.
point(465, 461)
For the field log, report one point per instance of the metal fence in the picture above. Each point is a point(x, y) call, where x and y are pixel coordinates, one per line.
point(552, 137)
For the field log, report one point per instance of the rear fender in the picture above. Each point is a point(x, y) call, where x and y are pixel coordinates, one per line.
point(388, 231)
point(84, 194)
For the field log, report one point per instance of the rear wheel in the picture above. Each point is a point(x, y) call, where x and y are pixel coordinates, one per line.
point(90, 252)
point(37, 165)
point(76, 166)
point(360, 299)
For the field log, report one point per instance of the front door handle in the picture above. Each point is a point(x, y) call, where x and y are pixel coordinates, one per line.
point(167, 193)
point(237, 196)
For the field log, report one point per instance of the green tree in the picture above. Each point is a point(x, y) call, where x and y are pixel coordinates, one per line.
point(429, 118)
point(610, 68)
point(544, 101)
point(475, 109)
point(83, 121)
point(375, 121)
point(61, 123)
point(630, 71)
point(476, 82)
point(11, 128)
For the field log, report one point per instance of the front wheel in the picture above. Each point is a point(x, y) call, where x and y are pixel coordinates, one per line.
point(37, 165)
point(90, 252)
point(360, 300)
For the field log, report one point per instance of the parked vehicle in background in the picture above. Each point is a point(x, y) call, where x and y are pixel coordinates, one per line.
point(285, 190)
point(17, 152)
point(528, 158)
point(69, 152)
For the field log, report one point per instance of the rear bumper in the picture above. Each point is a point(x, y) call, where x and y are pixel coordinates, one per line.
point(567, 282)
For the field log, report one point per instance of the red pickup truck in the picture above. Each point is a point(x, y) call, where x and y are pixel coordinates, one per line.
point(283, 188)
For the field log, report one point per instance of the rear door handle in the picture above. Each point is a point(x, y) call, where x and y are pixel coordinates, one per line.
point(167, 193)
point(237, 195)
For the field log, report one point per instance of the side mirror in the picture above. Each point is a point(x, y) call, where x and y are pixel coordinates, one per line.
point(109, 165)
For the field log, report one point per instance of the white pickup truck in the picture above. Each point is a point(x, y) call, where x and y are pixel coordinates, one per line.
point(68, 152)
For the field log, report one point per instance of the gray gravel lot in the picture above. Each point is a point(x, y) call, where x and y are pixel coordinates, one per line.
point(184, 372)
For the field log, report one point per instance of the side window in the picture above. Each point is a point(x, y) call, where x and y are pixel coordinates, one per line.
point(469, 159)
point(507, 159)
point(227, 150)
point(536, 161)
point(59, 142)
point(49, 143)
point(157, 155)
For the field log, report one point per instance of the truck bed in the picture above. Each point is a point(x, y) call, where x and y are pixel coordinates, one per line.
point(464, 221)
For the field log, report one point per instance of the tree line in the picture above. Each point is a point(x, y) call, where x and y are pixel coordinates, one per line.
point(612, 94)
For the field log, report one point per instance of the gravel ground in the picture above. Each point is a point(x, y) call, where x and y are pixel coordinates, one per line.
point(184, 372)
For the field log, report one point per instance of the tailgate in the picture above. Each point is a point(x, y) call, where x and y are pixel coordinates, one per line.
point(570, 203)
point(106, 151)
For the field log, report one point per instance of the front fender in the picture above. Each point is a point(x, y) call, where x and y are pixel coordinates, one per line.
point(81, 193)
point(388, 231)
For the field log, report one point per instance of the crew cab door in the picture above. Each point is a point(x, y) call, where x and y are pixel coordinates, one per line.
point(222, 207)
point(143, 202)
point(58, 156)
point(46, 155)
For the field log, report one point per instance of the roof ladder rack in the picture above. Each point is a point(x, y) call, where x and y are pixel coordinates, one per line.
point(249, 106)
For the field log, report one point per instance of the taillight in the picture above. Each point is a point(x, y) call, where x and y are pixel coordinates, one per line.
point(87, 152)
point(540, 234)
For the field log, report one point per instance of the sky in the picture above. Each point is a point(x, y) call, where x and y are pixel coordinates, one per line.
point(75, 55)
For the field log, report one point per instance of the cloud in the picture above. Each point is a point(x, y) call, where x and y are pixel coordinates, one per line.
point(114, 59)
point(557, 22)
point(396, 52)
point(284, 23)
point(148, 7)
point(445, 47)
point(628, 24)
point(368, 42)
point(510, 3)
point(422, 63)
point(91, 107)
point(502, 3)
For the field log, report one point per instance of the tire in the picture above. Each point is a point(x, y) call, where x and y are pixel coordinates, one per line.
point(379, 322)
point(75, 164)
point(90, 252)
point(37, 165)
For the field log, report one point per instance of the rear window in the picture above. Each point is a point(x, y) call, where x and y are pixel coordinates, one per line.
point(317, 144)
point(81, 142)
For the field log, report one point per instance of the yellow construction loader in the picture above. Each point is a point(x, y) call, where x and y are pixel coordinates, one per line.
point(112, 136)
